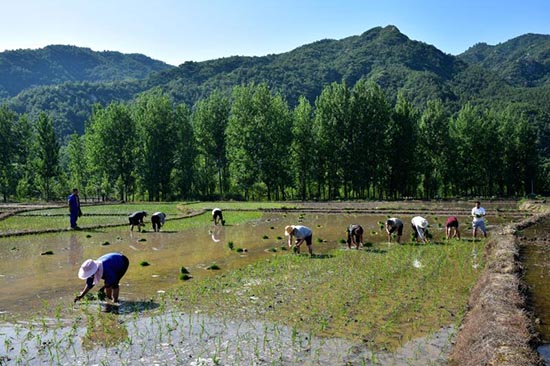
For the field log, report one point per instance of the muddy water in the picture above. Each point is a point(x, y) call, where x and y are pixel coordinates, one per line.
point(31, 282)
point(536, 258)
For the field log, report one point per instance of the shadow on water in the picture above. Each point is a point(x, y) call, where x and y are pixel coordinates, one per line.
point(128, 307)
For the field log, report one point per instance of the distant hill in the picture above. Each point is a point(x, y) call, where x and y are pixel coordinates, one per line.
point(382, 54)
point(57, 64)
point(521, 61)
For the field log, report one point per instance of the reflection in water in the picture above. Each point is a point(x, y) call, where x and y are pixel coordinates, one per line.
point(216, 233)
point(105, 330)
point(75, 251)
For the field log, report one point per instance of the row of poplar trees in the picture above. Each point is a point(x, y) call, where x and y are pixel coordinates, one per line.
point(351, 143)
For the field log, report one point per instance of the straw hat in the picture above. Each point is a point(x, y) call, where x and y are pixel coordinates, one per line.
point(87, 269)
point(289, 229)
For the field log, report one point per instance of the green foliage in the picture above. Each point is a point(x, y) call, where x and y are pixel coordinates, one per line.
point(47, 154)
point(391, 118)
point(110, 143)
point(22, 69)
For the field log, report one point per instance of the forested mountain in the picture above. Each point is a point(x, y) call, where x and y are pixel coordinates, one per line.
point(482, 75)
point(22, 69)
point(521, 61)
point(371, 116)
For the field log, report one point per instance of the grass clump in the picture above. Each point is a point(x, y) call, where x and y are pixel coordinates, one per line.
point(144, 263)
point(230, 245)
point(185, 276)
point(213, 267)
point(265, 237)
point(47, 252)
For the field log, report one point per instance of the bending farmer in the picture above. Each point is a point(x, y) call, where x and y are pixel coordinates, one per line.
point(111, 268)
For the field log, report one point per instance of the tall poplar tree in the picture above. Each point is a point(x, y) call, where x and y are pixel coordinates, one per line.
point(210, 120)
point(303, 147)
point(110, 144)
point(371, 115)
point(155, 120)
point(8, 151)
point(435, 150)
point(185, 152)
point(48, 153)
point(333, 136)
point(402, 154)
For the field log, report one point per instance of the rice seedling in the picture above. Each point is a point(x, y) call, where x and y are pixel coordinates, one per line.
point(265, 237)
point(213, 267)
point(184, 270)
point(144, 263)
point(47, 252)
point(230, 245)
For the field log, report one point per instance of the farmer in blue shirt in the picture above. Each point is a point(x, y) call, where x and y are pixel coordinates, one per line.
point(74, 208)
point(111, 267)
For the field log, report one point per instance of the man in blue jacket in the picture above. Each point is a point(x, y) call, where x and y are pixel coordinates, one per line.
point(74, 209)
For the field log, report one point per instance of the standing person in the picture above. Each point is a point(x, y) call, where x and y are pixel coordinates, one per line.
point(420, 228)
point(451, 227)
point(478, 215)
point(392, 225)
point(74, 209)
point(217, 216)
point(355, 236)
point(157, 220)
point(302, 233)
point(111, 268)
point(136, 219)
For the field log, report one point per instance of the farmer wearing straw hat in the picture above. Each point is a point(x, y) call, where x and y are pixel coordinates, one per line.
point(111, 268)
point(302, 233)
point(420, 228)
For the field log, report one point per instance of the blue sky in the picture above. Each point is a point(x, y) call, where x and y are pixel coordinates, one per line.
point(196, 30)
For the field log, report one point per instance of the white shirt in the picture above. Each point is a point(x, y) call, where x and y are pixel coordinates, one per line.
point(420, 224)
point(301, 232)
point(478, 214)
point(161, 215)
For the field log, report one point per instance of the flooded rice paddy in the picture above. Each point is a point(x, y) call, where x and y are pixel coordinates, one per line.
point(536, 259)
point(30, 278)
point(33, 282)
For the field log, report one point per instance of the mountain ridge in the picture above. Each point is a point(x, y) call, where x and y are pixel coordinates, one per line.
point(382, 54)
